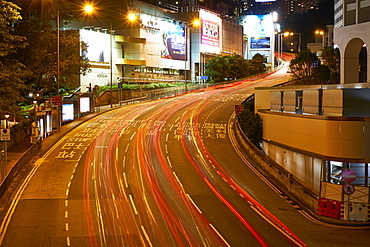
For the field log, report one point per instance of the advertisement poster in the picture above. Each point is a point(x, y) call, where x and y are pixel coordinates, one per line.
point(98, 48)
point(210, 32)
point(67, 112)
point(173, 41)
point(259, 29)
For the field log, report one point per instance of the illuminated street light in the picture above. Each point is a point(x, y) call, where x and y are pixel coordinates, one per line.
point(286, 34)
point(322, 33)
point(131, 16)
point(196, 23)
point(88, 8)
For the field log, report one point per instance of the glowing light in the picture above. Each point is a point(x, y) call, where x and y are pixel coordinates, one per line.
point(88, 8)
point(196, 23)
point(131, 16)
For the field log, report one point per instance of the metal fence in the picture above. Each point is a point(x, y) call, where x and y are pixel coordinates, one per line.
point(26, 157)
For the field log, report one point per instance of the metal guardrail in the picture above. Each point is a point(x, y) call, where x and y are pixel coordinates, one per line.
point(26, 157)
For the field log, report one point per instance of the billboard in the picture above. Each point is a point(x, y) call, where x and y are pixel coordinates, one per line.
point(173, 41)
point(260, 42)
point(259, 29)
point(210, 32)
point(67, 112)
point(98, 47)
point(84, 104)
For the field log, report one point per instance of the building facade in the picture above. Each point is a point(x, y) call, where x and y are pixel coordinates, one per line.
point(318, 132)
point(163, 44)
point(351, 37)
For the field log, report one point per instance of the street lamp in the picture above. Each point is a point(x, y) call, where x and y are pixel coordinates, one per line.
point(322, 33)
point(4, 170)
point(88, 8)
point(188, 26)
point(287, 34)
point(131, 17)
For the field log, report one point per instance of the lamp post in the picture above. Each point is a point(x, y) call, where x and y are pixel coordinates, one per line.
point(287, 34)
point(131, 16)
point(4, 170)
point(187, 26)
point(322, 33)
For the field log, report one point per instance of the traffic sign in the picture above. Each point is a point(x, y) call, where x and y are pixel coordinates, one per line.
point(5, 134)
point(348, 189)
point(57, 100)
point(348, 176)
point(239, 109)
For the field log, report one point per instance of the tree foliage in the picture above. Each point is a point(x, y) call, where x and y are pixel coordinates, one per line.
point(307, 68)
point(43, 65)
point(12, 71)
point(330, 58)
point(251, 123)
point(222, 68)
point(303, 65)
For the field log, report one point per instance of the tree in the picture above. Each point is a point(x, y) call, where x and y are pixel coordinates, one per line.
point(331, 59)
point(12, 71)
point(43, 65)
point(251, 122)
point(303, 65)
point(233, 66)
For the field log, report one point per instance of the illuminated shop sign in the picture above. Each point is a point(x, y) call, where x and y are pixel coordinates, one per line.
point(210, 32)
point(173, 41)
point(149, 22)
point(98, 48)
point(259, 29)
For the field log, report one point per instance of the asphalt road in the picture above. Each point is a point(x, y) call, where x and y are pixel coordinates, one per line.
point(162, 173)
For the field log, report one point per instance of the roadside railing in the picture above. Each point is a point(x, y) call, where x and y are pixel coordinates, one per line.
point(26, 157)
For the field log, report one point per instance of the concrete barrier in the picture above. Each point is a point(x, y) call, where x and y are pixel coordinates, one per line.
point(277, 175)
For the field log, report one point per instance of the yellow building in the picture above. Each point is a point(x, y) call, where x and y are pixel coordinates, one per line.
point(316, 133)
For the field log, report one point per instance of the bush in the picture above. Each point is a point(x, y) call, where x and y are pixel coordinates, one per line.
point(251, 123)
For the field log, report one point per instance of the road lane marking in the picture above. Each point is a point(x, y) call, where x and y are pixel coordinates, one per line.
point(5, 223)
point(146, 236)
point(222, 238)
point(178, 180)
point(169, 161)
point(195, 205)
point(125, 179)
point(132, 136)
point(133, 204)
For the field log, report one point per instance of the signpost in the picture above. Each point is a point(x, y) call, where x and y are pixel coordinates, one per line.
point(348, 176)
point(5, 134)
point(348, 189)
point(57, 100)
point(239, 109)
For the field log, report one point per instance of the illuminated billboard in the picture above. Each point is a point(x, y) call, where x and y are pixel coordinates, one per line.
point(210, 32)
point(173, 41)
point(98, 47)
point(67, 112)
point(84, 104)
point(259, 29)
point(260, 42)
